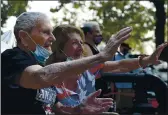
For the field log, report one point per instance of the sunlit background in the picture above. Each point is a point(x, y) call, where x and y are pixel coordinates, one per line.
point(112, 16)
point(77, 15)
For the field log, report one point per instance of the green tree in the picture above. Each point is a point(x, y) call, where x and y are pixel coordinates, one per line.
point(12, 8)
point(114, 15)
point(161, 25)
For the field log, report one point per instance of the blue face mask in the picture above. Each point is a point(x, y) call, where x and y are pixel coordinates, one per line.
point(41, 54)
point(67, 58)
point(98, 39)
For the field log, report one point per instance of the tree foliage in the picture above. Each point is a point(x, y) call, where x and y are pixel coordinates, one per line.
point(114, 15)
point(160, 24)
point(12, 8)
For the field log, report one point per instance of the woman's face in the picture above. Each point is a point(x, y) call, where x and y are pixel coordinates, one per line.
point(74, 46)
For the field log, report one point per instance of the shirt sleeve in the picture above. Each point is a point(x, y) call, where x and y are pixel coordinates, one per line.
point(96, 70)
point(13, 64)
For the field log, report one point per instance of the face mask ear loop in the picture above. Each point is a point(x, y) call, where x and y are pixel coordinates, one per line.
point(60, 49)
point(63, 53)
point(67, 36)
point(27, 46)
point(31, 38)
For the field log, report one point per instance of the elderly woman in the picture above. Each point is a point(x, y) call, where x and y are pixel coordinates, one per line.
point(69, 46)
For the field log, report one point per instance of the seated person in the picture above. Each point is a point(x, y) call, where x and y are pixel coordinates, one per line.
point(26, 83)
point(123, 52)
point(68, 47)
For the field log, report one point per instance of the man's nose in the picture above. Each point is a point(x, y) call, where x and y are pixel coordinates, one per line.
point(52, 38)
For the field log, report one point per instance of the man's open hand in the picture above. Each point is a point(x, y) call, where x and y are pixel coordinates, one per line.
point(114, 42)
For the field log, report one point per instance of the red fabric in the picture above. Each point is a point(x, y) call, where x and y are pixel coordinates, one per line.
point(154, 103)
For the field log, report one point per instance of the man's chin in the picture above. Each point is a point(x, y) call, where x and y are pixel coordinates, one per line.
point(48, 48)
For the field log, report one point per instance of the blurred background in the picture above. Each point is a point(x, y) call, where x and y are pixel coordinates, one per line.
point(149, 20)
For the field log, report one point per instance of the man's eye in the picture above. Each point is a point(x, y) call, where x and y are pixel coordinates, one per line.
point(74, 43)
point(46, 32)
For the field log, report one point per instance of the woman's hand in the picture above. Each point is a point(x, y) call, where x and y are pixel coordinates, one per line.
point(91, 105)
point(153, 59)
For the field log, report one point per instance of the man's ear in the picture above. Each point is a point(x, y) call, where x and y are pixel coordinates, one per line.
point(89, 34)
point(23, 38)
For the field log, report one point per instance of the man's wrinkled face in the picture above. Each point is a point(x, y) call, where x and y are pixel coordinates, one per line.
point(74, 46)
point(42, 35)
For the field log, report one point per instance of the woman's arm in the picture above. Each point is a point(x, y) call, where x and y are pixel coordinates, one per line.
point(127, 65)
point(124, 65)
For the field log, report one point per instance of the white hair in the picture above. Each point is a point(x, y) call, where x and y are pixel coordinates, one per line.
point(26, 21)
point(91, 24)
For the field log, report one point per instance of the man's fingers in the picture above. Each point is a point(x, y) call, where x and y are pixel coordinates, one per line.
point(121, 40)
point(106, 108)
point(106, 104)
point(103, 109)
point(105, 99)
point(95, 94)
point(67, 110)
point(123, 32)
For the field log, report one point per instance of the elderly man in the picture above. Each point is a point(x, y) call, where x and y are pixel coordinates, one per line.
point(26, 84)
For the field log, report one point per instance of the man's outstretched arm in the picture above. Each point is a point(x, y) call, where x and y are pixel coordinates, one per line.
point(36, 77)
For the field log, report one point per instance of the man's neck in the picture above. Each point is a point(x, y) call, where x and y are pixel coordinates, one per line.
point(23, 48)
point(89, 41)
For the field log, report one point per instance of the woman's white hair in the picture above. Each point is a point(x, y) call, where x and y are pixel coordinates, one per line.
point(26, 21)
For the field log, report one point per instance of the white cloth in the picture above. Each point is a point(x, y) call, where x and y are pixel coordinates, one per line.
point(4, 46)
point(8, 40)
